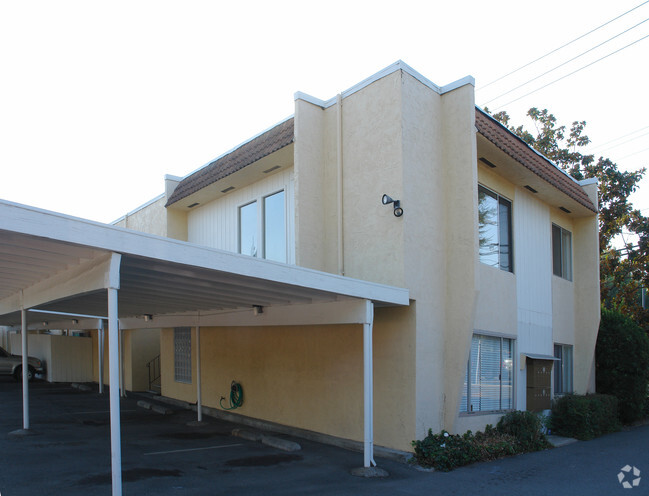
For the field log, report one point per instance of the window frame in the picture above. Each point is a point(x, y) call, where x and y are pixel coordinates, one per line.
point(263, 223)
point(466, 407)
point(501, 201)
point(260, 226)
point(559, 369)
point(564, 269)
point(183, 355)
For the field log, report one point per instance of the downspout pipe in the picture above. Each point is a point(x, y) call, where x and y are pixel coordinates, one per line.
point(339, 189)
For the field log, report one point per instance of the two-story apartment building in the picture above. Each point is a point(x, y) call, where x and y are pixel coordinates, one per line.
point(497, 247)
point(248, 267)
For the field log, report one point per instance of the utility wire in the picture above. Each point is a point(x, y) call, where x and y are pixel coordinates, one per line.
point(573, 72)
point(562, 46)
point(566, 62)
point(635, 153)
point(620, 137)
point(625, 142)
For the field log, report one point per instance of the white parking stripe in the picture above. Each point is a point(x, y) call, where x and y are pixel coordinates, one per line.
point(194, 449)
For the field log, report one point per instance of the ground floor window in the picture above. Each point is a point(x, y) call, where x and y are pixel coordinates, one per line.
point(489, 380)
point(183, 355)
point(563, 369)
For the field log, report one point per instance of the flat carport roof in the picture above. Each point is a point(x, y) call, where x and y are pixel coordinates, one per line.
point(55, 263)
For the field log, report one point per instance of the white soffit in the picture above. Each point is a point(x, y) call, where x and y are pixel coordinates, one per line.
point(157, 275)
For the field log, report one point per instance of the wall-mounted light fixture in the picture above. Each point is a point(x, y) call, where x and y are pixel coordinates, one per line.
point(75, 321)
point(148, 317)
point(257, 309)
point(45, 322)
point(398, 211)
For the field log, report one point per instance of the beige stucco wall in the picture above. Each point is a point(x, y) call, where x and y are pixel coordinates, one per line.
point(461, 183)
point(95, 356)
point(151, 218)
point(140, 346)
point(154, 218)
point(585, 245)
point(307, 377)
point(401, 138)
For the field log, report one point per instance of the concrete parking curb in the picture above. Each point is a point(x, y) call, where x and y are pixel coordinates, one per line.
point(154, 408)
point(272, 441)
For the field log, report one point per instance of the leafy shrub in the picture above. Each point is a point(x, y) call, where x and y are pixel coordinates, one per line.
point(446, 451)
point(585, 417)
point(622, 363)
point(526, 428)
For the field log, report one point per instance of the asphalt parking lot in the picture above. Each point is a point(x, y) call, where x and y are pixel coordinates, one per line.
point(69, 454)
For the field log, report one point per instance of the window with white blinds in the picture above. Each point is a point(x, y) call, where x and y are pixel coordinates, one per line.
point(489, 380)
point(183, 355)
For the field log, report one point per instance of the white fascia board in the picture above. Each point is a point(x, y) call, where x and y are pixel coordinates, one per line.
point(350, 311)
point(458, 84)
point(310, 99)
point(32, 221)
point(399, 65)
point(587, 182)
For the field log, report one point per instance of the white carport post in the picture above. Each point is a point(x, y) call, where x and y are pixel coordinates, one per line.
point(100, 354)
point(23, 330)
point(113, 365)
point(368, 386)
point(199, 400)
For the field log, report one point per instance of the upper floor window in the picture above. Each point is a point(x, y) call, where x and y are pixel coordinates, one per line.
point(495, 229)
point(561, 252)
point(270, 233)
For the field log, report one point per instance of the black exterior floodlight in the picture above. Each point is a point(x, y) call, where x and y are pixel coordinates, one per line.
point(398, 211)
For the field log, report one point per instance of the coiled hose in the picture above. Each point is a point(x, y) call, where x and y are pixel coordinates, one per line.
point(236, 397)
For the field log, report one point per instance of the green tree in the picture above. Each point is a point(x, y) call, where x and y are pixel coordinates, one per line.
point(622, 363)
point(623, 270)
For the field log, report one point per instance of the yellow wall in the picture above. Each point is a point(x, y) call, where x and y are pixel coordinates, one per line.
point(95, 356)
point(307, 377)
point(140, 346)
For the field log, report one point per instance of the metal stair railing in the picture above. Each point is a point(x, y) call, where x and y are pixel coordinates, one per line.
point(154, 375)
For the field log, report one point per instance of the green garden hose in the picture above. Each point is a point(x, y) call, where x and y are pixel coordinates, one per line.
point(236, 396)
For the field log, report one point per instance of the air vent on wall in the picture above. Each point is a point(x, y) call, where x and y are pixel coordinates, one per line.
point(227, 189)
point(564, 209)
point(272, 169)
point(486, 162)
point(528, 187)
point(193, 205)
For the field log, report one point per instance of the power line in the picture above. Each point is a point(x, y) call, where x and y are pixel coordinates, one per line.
point(625, 142)
point(566, 62)
point(620, 137)
point(562, 46)
point(574, 72)
point(634, 153)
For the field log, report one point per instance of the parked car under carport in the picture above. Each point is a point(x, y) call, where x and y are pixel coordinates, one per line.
point(13, 365)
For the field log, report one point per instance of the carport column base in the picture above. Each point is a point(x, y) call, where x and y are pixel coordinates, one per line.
point(369, 472)
point(22, 433)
